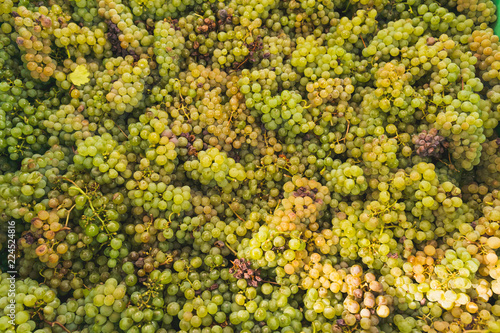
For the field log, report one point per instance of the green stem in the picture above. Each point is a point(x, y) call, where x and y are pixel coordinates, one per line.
point(91, 206)
point(229, 247)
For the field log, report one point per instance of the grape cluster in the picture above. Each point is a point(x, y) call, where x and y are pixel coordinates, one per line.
point(488, 167)
point(32, 29)
point(20, 137)
point(153, 196)
point(380, 153)
point(158, 10)
point(169, 44)
point(126, 92)
point(97, 152)
point(30, 301)
point(132, 37)
point(394, 89)
point(346, 179)
point(310, 53)
point(249, 166)
point(114, 39)
point(21, 189)
point(85, 11)
point(214, 167)
point(105, 304)
point(47, 236)
point(479, 11)
point(429, 143)
point(242, 270)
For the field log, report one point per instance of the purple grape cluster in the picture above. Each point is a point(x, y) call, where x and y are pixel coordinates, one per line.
point(118, 51)
point(429, 143)
point(242, 269)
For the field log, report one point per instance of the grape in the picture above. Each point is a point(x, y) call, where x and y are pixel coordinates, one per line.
point(249, 166)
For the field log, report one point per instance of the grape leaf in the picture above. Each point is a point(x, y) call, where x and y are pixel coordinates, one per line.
point(80, 75)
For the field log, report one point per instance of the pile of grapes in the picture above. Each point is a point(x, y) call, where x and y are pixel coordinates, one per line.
point(256, 166)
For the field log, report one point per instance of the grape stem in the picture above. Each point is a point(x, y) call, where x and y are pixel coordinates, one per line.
point(170, 218)
point(120, 129)
point(276, 208)
point(450, 165)
point(229, 247)
point(241, 219)
point(52, 323)
point(230, 118)
point(179, 90)
point(76, 187)
point(90, 203)
point(67, 217)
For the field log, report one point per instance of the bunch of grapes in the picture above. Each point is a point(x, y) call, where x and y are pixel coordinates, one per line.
point(381, 154)
point(105, 304)
point(429, 143)
point(463, 123)
point(168, 46)
point(85, 11)
point(34, 29)
point(31, 302)
point(478, 11)
point(315, 60)
point(488, 168)
point(249, 166)
point(47, 237)
point(134, 38)
point(446, 288)
point(81, 41)
point(158, 10)
point(20, 130)
point(153, 135)
point(19, 190)
point(394, 90)
point(214, 167)
point(101, 153)
point(126, 92)
point(154, 196)
point(346, 179)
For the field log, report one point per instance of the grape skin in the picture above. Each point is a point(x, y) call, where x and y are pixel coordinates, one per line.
point(250, 166)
